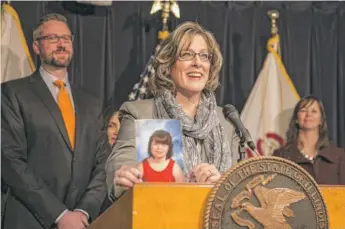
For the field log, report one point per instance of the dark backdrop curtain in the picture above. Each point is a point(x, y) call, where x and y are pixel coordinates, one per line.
point(114, 43)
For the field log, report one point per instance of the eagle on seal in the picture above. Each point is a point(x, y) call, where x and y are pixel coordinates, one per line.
point(274, 206)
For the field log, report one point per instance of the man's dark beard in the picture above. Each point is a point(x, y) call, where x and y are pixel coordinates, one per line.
point(54, 62)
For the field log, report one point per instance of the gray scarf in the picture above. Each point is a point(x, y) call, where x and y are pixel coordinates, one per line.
point(202, 133)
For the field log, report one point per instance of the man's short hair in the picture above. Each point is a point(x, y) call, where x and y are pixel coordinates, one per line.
point(46, 18)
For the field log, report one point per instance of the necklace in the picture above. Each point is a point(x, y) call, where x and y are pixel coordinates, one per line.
point(310, 158)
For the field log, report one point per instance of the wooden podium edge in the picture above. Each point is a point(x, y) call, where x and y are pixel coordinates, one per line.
point(118, 215)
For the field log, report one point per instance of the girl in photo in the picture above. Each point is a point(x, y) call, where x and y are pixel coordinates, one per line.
point(159, 166)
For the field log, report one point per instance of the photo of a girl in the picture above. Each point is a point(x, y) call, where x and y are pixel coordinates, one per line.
point(159, 165)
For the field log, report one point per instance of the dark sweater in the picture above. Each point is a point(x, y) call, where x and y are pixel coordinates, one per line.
point(328, 167)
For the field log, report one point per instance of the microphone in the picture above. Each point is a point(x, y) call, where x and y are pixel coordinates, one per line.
point(231, 113)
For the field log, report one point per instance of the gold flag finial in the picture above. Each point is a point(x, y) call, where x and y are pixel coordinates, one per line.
point(166, 6)
point(274, 15)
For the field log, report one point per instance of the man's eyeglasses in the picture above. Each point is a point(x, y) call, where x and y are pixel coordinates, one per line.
point(53, 38)
point(189, 55)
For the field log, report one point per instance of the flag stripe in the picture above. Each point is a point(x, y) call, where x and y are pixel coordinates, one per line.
point(10, 10)
point(275, 39)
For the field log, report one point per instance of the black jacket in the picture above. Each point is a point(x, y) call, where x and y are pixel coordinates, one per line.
point(327, 168)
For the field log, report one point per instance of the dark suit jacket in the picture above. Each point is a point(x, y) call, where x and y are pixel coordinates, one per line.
point(44, 174)
point(327, 168)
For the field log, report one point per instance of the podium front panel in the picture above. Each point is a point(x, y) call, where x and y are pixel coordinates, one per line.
point(182, 206)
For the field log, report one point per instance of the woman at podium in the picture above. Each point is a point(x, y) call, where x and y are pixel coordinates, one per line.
point(187, 66)
point(308, 144)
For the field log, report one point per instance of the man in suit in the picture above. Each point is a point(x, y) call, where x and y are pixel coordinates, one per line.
point(54, 143)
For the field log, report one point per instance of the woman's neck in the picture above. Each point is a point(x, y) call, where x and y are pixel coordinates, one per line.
point(307, 142)
point(189, 103)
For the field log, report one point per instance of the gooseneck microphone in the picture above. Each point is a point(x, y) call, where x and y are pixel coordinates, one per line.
point(231, 114)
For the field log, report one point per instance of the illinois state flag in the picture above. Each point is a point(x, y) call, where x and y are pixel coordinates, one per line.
point(268, 109)
point(16, 61)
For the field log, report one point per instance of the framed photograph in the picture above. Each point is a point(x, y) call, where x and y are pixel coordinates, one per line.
point(159, 150)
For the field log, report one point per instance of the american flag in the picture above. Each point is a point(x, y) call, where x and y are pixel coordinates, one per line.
point(140, 89)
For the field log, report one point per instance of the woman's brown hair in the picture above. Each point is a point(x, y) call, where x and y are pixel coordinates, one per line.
point(292, 132)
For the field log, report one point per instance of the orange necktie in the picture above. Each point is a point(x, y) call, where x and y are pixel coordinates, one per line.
point(66, 109)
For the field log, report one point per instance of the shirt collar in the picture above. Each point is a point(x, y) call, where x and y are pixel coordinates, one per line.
point(328, 155)
point(50, 78)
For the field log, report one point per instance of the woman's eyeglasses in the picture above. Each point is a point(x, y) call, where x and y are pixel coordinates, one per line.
point(189, 55)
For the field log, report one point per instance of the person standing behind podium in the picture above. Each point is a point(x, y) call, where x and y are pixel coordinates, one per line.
point(187, 69)
point(308, 144)
point(54, 144)
point(113, 126)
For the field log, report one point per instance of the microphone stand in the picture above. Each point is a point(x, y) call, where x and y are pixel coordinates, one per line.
point(241, 146)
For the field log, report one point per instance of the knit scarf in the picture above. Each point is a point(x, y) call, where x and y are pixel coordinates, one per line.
point(204, 132)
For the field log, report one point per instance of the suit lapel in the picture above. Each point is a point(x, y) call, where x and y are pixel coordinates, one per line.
point(40, 88)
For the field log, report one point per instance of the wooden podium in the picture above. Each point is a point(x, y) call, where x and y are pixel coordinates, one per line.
point(181, 206)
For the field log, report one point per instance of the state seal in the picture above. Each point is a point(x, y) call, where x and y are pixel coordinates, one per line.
point(266, 193)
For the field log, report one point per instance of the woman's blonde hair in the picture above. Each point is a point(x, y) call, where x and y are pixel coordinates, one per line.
point(169, 50)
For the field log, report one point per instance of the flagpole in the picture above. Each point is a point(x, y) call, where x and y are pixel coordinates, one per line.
point(140, 90)
point(166, 6)
point(274, 15)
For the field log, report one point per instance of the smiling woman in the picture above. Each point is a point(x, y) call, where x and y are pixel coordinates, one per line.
point(191, 69)
point(308, 144)
point(187, 69)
